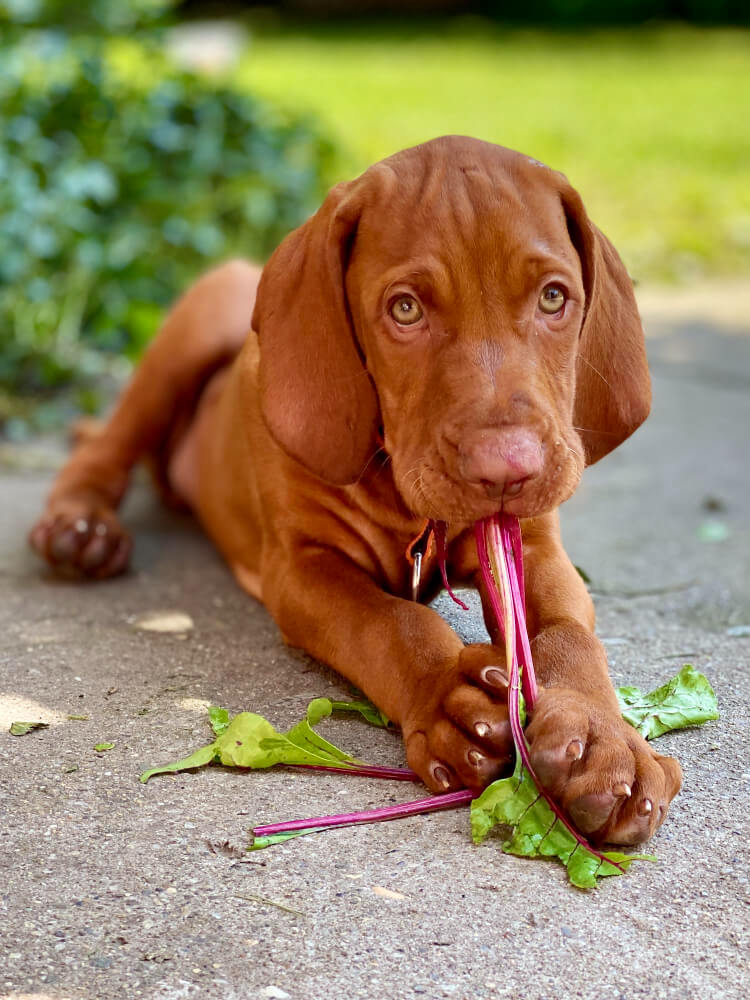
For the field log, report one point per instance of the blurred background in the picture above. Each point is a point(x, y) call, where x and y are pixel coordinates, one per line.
point(143, 141)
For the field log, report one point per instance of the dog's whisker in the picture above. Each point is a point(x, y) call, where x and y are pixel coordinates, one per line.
point(371, 459)
point(595, 370)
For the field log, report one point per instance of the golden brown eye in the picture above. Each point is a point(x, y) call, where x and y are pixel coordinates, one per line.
point(552, 299)
point(406, 310)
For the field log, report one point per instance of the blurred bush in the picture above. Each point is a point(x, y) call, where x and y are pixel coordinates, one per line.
point(90, 16)
point(123, 178)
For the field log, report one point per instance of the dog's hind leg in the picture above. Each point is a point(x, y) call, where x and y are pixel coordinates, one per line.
point(79, 533)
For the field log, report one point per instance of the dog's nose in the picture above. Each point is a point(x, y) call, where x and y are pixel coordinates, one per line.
point(500, 459)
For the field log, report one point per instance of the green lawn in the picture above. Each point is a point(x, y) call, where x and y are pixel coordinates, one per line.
point(652, 125)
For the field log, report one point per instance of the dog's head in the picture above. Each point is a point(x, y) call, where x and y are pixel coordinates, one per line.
point(455, 303)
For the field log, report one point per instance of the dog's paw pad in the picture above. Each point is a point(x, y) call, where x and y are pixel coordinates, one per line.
point(607, 778)
point(81, 542)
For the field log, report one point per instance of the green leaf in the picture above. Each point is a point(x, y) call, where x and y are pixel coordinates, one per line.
point(101, 747)
point(259, 843)
point(249, 740)
point(219, 718)
point(686, 700)
point(306, 739)
point(197, 759)
point(536, 831)
point(369, 712)
point(21, 728)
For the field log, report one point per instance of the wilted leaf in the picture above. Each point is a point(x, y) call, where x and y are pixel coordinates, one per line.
point(21, 728)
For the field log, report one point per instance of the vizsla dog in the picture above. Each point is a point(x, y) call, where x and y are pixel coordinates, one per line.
point(448, 336)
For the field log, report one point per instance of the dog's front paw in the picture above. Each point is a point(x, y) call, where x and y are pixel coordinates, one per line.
point(81, 539)
point(457, 734)
point(606, 777)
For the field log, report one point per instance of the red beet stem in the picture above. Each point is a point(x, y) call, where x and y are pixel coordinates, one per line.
point(513, 547)
point(440, 531)
point(431, 804)
point(509, 587)
point(365, 771)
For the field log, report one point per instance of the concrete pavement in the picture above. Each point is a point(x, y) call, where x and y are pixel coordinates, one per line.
point(112, 889)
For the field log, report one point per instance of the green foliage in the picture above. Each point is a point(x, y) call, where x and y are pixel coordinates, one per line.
point(92, 16)
point(249, 740)
point(123, 178)
point(686, 700)
point(536, 832)
point(516, 802)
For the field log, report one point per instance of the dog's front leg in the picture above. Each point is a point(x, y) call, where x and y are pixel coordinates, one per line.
point(449, 699)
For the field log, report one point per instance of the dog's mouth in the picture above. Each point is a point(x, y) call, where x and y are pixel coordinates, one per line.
point(435, 492)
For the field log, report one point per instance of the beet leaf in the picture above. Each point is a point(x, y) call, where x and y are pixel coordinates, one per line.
point(687, 700)
point(539, 828)
point(249, 740)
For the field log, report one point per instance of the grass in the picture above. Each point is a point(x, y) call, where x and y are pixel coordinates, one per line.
point(649, 124)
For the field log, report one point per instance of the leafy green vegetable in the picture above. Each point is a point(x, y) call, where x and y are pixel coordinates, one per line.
point(538, 832)
point(369, 712)
point(219, 719)
point(249, 740)
point(538, 826)
point(270, 840)
point(686, 700)
point(21, 728)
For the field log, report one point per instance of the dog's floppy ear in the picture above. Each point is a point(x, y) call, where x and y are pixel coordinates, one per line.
point(316, 397)
point(613, 387)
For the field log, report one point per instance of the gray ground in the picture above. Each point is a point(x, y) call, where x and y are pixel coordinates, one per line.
point(109, 888)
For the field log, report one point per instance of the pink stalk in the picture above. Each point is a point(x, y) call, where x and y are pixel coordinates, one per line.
point(501, 562)
point(513, 615)
point(431, 804)
point(364, 771)
point(440, 531)
point(513, 548)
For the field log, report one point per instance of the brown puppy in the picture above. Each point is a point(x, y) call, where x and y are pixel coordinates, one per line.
point(448, 335)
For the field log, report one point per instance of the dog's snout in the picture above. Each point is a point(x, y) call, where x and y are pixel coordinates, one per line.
point(500, 459)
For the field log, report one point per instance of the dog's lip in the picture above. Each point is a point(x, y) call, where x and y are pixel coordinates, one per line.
point(461, 503)
point(466, 509)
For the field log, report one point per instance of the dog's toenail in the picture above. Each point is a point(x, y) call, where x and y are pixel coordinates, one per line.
point(646, 807)
point(475, 757)
point(482, 729)
point(441, 776)
point(81, 526)
point(495, 676)
point(575, 750)
point(100, 529)
point(622, 789)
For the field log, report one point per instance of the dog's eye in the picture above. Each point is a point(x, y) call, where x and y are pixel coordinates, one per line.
point(406, 310)
point(552, 299)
